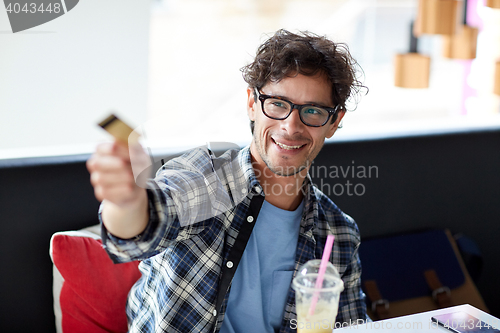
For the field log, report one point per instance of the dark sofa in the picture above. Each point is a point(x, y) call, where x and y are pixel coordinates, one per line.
point(447, 180)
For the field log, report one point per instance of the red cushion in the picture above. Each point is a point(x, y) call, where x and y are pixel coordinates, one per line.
point(94, 292)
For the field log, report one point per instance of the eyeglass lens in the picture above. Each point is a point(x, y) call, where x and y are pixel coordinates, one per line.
point(311, 115)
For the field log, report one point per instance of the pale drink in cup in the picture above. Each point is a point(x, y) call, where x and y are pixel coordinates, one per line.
point(326, 297)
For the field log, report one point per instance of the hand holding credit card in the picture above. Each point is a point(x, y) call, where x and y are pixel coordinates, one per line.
point(118, 169)
point(115, 173)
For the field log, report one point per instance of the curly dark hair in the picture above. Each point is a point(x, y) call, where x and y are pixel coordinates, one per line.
point(286, 54)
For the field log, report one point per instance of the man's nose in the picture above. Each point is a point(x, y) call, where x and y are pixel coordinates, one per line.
point(292, 123)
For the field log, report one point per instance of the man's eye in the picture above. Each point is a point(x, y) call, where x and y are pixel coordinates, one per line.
point(279, 104)
point(311, 111)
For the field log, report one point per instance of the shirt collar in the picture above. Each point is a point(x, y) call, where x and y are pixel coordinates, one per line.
point(310, 214)
point(245, 161)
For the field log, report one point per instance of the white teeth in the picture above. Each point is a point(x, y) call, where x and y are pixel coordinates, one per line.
point(287, 147)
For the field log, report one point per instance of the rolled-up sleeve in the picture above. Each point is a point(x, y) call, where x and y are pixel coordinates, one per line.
point(160, 229)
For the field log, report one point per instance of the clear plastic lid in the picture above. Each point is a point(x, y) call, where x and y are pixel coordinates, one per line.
point(308, 273)
point(312, 267)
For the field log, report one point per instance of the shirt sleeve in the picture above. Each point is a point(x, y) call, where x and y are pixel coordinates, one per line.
point(148, 242)
point(353, 309)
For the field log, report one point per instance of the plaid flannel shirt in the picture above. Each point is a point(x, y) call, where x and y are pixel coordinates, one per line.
point(201, 213)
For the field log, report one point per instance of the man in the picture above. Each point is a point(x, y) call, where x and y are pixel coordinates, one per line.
point(221, 238)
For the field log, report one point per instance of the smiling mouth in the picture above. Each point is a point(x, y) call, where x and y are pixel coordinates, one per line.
point(283, 146)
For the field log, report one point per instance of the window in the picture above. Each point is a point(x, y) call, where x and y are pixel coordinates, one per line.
point(153, 63)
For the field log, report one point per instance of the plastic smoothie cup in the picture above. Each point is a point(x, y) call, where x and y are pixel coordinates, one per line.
point(321, 316)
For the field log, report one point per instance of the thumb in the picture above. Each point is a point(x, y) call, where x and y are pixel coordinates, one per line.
point(141, 162)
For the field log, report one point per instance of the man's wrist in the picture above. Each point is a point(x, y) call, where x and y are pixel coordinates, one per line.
point(126, 220)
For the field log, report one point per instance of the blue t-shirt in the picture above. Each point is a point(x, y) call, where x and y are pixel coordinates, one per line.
point(261, 281)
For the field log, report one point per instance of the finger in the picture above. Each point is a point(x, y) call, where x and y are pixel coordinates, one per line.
point(136, 148)
point(109, 164)
point(90, 164)
point(111, 178)
point(105, 148)
point(115, 148)
point(115, 194)
point(121, 149)
point(98, 193)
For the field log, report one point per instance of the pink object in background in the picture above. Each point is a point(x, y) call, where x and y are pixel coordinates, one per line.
point(473, 20)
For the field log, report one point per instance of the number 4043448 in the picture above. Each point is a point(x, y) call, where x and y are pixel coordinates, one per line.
point(33, 8)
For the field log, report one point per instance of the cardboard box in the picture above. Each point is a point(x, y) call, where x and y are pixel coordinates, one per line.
point(461, 45)
point(437, 17)
point(412, 70)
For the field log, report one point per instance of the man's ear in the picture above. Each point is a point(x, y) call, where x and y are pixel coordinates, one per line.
point(250, 104)
point(332, 128)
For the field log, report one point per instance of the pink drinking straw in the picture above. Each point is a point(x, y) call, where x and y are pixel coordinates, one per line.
point(322, 270)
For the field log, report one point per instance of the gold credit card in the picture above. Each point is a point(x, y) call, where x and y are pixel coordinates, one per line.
point(119, 130)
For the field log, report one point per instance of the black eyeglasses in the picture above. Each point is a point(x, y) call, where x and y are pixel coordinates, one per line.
point(279, 108)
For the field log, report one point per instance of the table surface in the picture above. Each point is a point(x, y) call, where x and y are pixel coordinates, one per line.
point(420, 322)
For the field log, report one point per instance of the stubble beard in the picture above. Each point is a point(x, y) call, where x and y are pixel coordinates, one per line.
point(283, 171)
